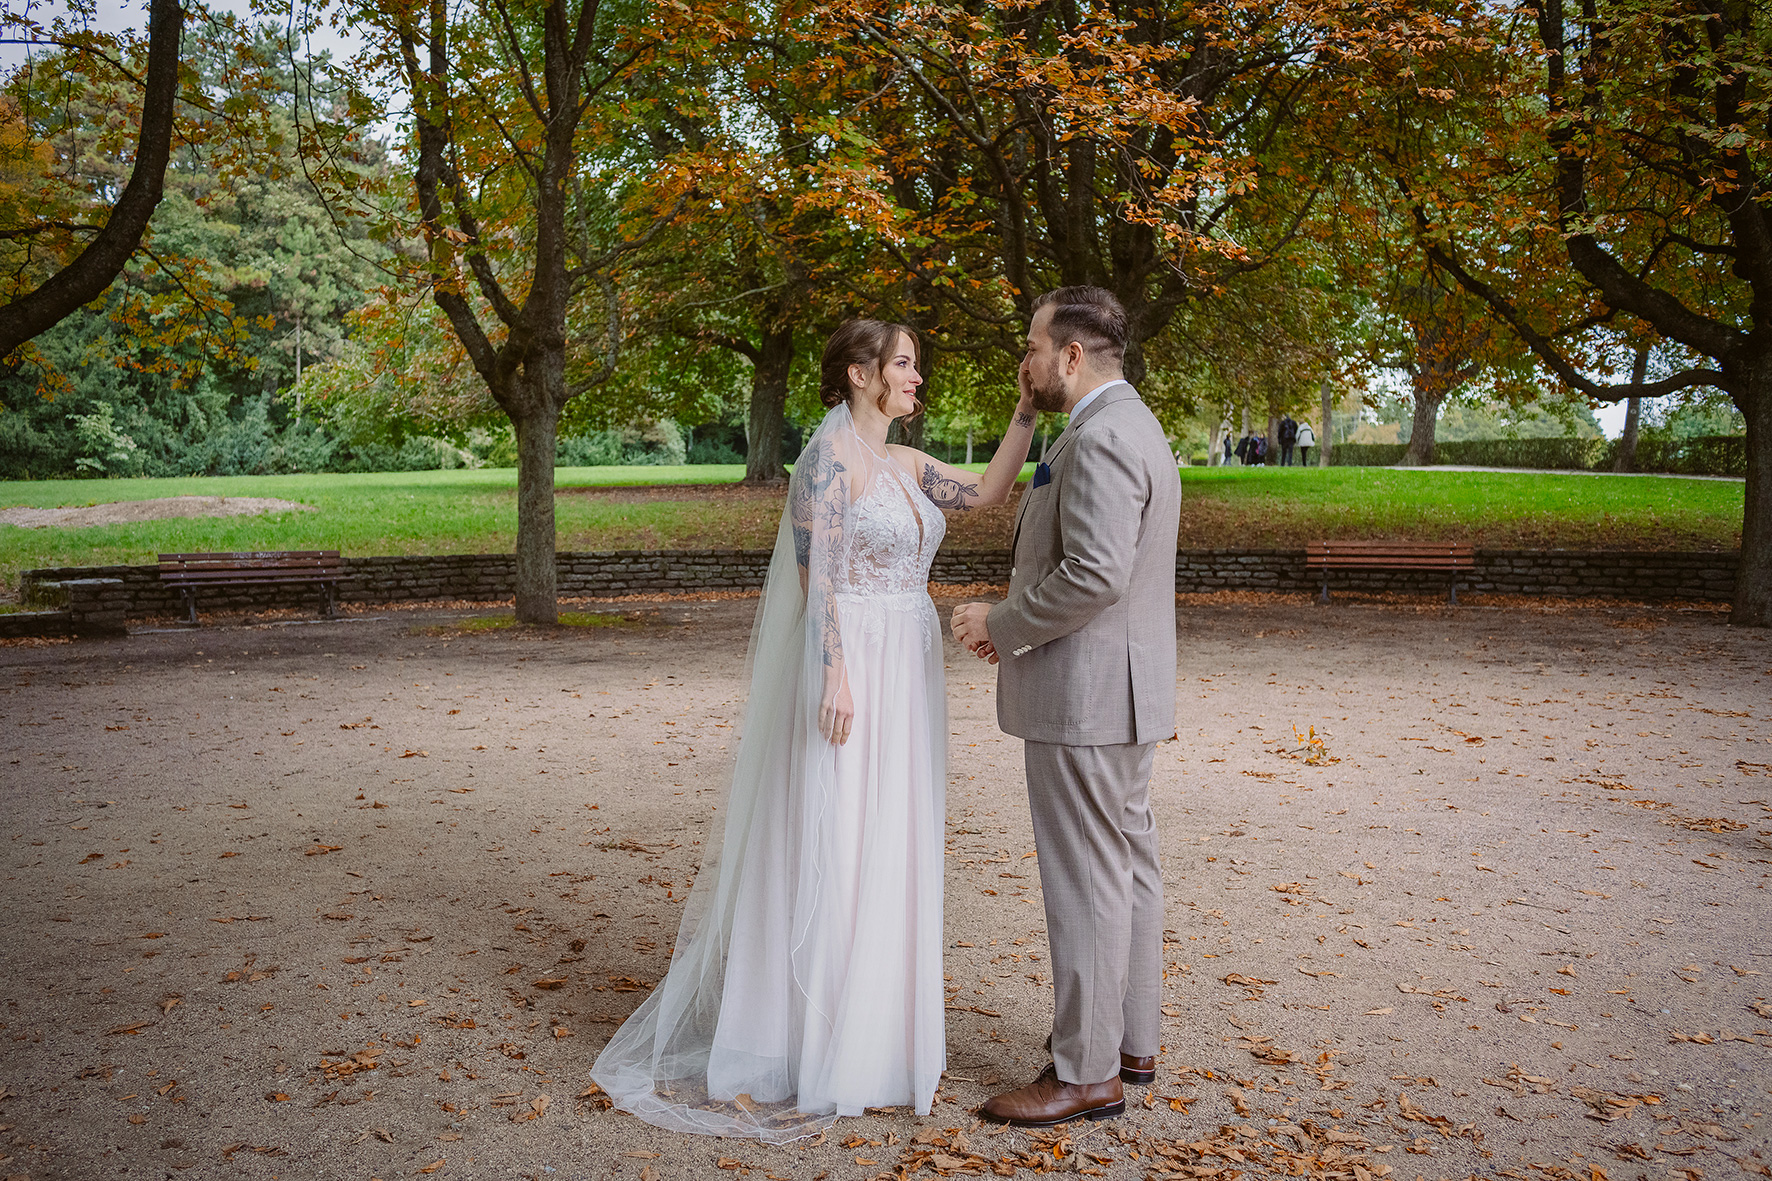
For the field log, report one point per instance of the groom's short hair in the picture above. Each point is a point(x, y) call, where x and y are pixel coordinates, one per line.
point(1090, 316)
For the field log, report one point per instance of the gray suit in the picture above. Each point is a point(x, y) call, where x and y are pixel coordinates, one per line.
point(1086, 641)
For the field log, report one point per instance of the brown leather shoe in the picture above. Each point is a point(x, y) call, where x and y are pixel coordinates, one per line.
point(1142, 1071)
point(1047, 1101)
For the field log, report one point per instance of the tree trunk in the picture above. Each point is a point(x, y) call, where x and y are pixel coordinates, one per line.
point(537, 575)
point(1422, 423)
point(769, 397)
point(1753, 577)
point(1627, 444)
point(1133, 365)
point(1327, 438)
point(94, 268)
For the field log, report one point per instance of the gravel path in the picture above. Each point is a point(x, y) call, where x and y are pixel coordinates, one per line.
point(363, 899)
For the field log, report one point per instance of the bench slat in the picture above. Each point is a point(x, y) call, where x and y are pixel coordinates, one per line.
point(188, 572)
point(249, 554)
point(1324, 556)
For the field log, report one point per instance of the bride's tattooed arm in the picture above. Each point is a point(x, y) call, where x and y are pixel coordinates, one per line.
point(826, 477)
point(958, 489)
point(818, 506)
point(946, 492)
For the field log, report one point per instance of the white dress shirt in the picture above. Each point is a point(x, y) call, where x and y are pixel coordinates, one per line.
point(1090, 396)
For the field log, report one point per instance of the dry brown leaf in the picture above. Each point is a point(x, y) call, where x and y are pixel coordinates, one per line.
point(434, 1165)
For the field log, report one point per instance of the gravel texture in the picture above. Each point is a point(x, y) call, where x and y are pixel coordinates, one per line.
point(363, 897)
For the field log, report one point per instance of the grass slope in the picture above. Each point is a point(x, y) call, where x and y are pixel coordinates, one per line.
point(646, 507)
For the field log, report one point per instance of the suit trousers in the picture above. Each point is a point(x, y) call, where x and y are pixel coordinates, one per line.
point(1097, 843)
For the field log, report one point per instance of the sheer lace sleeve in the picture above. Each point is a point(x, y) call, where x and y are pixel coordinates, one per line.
point(818, 504)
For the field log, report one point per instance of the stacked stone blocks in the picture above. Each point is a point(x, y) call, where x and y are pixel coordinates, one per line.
point(97, 598)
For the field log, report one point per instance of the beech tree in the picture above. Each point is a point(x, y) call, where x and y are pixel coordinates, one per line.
point(1620, 154)
point(507, 101)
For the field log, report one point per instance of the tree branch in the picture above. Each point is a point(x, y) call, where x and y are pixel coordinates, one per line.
point(92, 271)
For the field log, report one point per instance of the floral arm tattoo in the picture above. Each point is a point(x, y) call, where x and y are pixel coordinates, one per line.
point(947, 493)
point(818, 504)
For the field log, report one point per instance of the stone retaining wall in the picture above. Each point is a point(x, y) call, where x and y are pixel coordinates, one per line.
point(102, 592)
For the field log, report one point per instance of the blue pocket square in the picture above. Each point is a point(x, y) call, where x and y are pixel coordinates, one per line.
point(1042, 477)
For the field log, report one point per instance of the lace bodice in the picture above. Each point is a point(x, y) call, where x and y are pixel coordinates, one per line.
point(893, 535)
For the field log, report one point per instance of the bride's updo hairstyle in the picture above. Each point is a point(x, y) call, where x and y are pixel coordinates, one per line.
point(867, 343)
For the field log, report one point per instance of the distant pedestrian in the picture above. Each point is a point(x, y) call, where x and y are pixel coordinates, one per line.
point(1307, 439)
point(1288, 435)
point(1246, 451)
point(1227, 446)
point(1258, 450)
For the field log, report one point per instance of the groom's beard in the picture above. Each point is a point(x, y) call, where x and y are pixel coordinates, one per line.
point(1047, 389)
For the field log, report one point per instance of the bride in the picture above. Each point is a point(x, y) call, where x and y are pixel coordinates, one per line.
point(806, 980)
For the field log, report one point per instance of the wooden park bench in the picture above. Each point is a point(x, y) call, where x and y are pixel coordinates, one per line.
point(187, 572)
point(1324, 556)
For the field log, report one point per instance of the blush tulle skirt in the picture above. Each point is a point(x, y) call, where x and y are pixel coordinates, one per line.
point(807, 981)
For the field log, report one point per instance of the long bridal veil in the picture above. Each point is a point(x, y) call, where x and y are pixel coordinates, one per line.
point(718, 1047)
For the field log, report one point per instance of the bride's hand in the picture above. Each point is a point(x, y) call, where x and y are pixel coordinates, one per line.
point(836, 714)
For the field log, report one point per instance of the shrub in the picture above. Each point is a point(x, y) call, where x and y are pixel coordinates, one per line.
point(713, 451)
point(1551, 454)
point(1709, 455)
point(1366, 454)
point(1703, 455)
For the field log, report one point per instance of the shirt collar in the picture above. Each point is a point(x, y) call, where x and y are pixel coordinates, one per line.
point(1090, 396)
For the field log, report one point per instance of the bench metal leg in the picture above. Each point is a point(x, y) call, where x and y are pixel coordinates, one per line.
point(1452, 593)
point(331, 593)
point(1323, 596)
point(190, 597)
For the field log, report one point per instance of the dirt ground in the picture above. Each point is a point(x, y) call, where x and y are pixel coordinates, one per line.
point(126, 511)
point(363, 898)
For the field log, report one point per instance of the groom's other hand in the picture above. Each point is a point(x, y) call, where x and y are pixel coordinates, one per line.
point(972, 631)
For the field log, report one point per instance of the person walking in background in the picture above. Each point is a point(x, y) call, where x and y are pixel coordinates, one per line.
point(1226, 428)
point(1288, 435)
point(1307, 439)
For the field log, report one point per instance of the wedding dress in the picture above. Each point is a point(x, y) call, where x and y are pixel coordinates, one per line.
point(806, 979)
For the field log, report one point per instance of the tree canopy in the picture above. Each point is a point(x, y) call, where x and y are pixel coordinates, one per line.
point(508, 219)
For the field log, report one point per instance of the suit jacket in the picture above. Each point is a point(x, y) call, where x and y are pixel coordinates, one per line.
point(1086, 638)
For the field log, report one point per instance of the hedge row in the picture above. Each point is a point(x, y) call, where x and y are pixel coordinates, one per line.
point(1711, 455)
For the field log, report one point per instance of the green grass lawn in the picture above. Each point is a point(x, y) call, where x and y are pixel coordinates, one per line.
point(1238, 507)
point(475, 512)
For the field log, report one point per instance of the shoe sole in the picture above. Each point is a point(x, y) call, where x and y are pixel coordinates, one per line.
point(1094, 1113)
point(1142, 1078)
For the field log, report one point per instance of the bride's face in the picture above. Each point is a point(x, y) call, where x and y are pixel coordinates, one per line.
point(900, 378)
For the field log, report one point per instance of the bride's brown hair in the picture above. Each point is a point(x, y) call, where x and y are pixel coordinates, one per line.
point(864, 343)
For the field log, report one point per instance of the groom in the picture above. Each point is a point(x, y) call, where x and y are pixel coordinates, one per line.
point(1086, 645)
